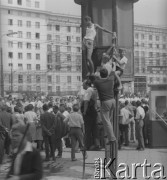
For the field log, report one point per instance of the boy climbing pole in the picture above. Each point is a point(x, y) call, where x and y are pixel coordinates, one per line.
point(88, 42)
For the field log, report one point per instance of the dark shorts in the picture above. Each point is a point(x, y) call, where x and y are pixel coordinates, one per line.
point(119, 69)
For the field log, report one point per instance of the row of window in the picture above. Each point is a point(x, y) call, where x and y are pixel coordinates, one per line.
point(38, 88)
point(37, 25)
point(57, 48)
point(28, 3)
point(29, 66)
point(38, 79)
point(20, 23)
point(28, 34)
point(156, 62)
point(150, 37)
point(158, 79)
point(20, 45)
point(20, 13)
point(20, 56)
point(57, 38)
point(58, 67)
point(51, 27)
point(150, 54)
point(150, 45)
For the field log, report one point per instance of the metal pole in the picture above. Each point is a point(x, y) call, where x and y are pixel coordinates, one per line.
point(11, 74)
point(2, 77)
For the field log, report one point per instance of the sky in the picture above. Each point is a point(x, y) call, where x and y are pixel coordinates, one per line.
point(150, 12)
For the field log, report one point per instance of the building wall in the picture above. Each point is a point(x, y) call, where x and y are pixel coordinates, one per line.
point(150, 50)
point(25, 56)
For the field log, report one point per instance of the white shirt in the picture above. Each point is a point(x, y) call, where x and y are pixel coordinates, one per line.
point(88, 94)
point(39, 104)
point(65, 113)
point(140, 112)
point(108, 66)
point(125, 116)
point(123, 62)
point(90, 33)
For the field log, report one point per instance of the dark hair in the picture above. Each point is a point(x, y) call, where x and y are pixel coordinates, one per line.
point(88, 82)
point(145, 108)
point(9, 110)
point(30, 107)
point(17, 109)
point(126, 102)
point(50, 105)
point(87, 18)
point(103, 73)
point(138, 103)
point(55, 108)
point(75, 107)
point(45, 107)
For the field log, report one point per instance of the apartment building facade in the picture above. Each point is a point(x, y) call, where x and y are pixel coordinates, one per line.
point(45, 54)
point(150, 56)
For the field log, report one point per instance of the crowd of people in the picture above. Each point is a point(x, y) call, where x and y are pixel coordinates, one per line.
point(82, 123)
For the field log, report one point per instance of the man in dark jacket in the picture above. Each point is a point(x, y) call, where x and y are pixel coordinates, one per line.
point(48, 131)
point(27, 163)
point(60, 130)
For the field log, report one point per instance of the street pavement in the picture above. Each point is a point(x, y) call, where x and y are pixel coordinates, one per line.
point(65, 169)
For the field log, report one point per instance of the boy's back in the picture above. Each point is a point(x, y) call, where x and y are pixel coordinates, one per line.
point(75, 120)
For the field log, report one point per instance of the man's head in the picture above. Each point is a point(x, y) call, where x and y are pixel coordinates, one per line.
point(50, 105)
point(88, 20)
point(103, 73)
point(126, 102)
point(86, 84)
point(75, 107)
point(138, 103)
point(62, 108)
point(45, 107)
point(17, 133)
point(105, 58)
point(55, 109)
point(122, 52)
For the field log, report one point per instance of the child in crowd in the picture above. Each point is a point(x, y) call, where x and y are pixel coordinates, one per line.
point(76, 125)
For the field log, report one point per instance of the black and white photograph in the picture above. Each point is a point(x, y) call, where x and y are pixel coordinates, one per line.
point(83, 89)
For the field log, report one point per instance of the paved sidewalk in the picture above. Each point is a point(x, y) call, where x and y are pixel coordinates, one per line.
point(65, 169)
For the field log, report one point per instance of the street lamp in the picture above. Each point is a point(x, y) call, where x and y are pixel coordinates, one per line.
point(1, 62)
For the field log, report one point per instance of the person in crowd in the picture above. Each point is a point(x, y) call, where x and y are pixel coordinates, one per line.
point(39, 137)
point(31, 118)
point(77, 131)
point(146, 126)
point(140, 114)
point(124, 124)
point(27, 163)
point(105, 88)
point(50, 106)
point(18, 116)
point(47, 120)
point(88, 109)
point(88, 42)
point(60, 130)
point(65, 113)
point(6, 121)
point(131, 108)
